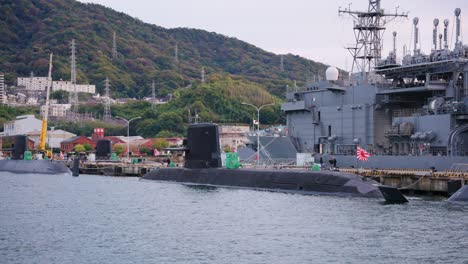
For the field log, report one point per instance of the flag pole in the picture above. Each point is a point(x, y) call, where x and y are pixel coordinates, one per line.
point(357, 160)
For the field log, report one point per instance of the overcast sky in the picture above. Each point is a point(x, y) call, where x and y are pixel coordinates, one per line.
point(308, 28)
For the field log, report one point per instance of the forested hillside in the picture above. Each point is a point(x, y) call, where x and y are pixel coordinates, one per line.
point(30, 29)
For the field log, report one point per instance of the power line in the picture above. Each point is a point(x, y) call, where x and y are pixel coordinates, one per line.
point(73, 95)
point(114, 46)
point(107, 111)
point(153, 96)
point(176, 53)
point(281, 63)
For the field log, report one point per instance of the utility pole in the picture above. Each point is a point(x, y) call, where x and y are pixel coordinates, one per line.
point(128, 133)
point(258, 127)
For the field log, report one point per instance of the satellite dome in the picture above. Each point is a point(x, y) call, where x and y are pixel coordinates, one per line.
point(332, 74)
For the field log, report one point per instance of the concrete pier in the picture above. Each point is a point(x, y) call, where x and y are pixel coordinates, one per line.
point(117, 169)
point(414, 181)
point(407, 180)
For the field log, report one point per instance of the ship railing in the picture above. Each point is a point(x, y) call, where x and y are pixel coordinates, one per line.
point(281, 162)
point(459, 167)
point(406, 112)
point(385, 85)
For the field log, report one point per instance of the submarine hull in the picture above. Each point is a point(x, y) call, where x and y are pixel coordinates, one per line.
point(460, 196)
point(303, 182)
point(34, 166)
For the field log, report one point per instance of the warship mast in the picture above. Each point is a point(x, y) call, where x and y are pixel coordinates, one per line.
point(369, 27)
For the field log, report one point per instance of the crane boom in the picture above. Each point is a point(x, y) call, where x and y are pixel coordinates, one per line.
point(42, 140)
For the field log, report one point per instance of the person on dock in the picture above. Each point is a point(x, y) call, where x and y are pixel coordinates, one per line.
point(332, 162)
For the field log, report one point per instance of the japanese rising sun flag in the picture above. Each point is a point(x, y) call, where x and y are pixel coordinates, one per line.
point(362, 154)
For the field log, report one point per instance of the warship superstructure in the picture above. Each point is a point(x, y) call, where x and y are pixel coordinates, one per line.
point(412, 114)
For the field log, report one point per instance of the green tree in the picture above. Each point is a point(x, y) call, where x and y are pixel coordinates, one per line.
point(170, 121)
point(227, 149)
point(148, 128)
point(88, 147)
point(165, 134)
point(61, 96)
point(119, 149)
point(79, 148)
point(145, 151)
point(160, 143)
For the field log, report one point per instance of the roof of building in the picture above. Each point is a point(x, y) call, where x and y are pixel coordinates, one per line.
point(59, 132)
point(50, 132)
point(68, 140)
point(124, 139)
point(138, 142)
point(33, 133)
point(173, 140)
point(114, 139)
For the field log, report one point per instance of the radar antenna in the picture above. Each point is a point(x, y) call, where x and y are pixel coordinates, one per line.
point(446, 24)
point(369, 27)
point(434, 33)
point(457, 26)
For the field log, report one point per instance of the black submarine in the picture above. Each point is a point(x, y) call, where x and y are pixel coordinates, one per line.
point(203, 167)
point(16, 146)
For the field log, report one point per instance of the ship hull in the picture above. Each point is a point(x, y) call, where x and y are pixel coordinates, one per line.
point(302, 182)
point(34, 166)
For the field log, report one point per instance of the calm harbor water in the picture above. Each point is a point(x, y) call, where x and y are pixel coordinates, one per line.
point(98, 219)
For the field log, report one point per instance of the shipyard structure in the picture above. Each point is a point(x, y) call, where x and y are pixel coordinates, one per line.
point(408, 113)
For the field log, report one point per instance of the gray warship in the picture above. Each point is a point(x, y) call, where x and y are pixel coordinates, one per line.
point(408, 114)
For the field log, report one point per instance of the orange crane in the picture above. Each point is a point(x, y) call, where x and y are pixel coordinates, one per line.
point(43, 136)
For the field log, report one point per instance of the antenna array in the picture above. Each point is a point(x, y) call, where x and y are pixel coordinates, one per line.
point(369, 27)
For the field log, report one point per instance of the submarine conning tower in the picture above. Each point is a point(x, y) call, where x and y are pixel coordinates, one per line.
point(202, 148)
